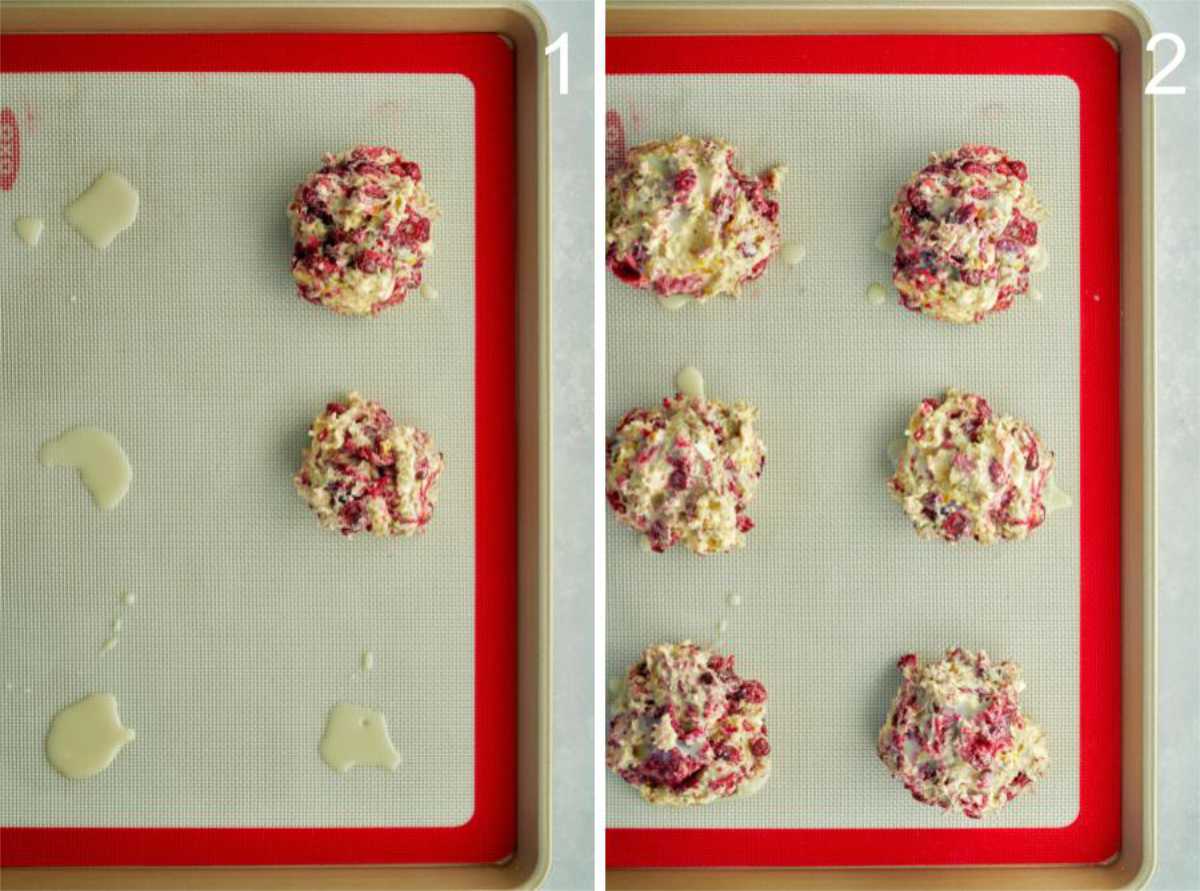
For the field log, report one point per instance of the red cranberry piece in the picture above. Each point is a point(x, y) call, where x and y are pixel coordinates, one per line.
point(1021, 229)
point(955, 525)
point(726, 752)
point(1031, 457)
point(759, 747)
point(752, 691)
point(626, 271)
point(372, 261)
point(685, 181)
point(614, 498)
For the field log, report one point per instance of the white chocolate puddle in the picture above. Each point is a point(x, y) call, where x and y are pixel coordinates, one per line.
point(29, 229)
point(429, 292)
point(887, 240)
point(690, 382)
point(357, 737)
point(105, 210)
point(86, 736)
point(876, 294)
point(367, 660)
point(101, 462)
point(793, 253)
point(674, 301)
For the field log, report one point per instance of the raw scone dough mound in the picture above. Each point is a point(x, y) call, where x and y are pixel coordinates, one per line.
point(965, 473)
point(361, 226)
point(967, 232)
point(687, 729)
point(362, 472)
point(686, 471)
point(683, 220)
point(956, 737)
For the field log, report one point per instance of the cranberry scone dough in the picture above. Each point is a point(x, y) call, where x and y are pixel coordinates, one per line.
point(361, 225)
point(682, 219)
point(363, 472)
point(685, 472)
point(967, 234)
point(687, 729)
point(967, 473)
point(956, 737)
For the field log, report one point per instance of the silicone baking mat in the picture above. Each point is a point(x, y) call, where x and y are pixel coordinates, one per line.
point(833, 585)
point(186, 339)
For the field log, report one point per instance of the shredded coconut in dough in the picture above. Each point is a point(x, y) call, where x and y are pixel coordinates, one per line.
point(687, 729)
point(686, 471)
point(683, 220)
point(362, 472)
point(967, 230)
point(965, 473)
point(956, 737)
point(361, 226)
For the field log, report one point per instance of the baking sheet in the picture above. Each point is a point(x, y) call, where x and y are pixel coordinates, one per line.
point(187, 341)
point(834, 584)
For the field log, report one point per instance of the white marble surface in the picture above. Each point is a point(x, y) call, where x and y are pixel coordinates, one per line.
point(1178, 221)
point(573, 137)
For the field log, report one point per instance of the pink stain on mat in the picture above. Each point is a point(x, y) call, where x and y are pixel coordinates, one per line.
point(614, 142)
point(10, 148)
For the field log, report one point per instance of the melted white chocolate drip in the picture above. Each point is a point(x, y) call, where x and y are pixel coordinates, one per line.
point(105, 210)
point(98, 457)
point(357, 737)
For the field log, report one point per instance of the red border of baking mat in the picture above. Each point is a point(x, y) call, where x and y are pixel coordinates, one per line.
point(1092, 64)
point(490, 834)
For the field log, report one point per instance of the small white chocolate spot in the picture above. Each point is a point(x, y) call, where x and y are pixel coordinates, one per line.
point(793, 253)
point(690, 382)
point(29, 229)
